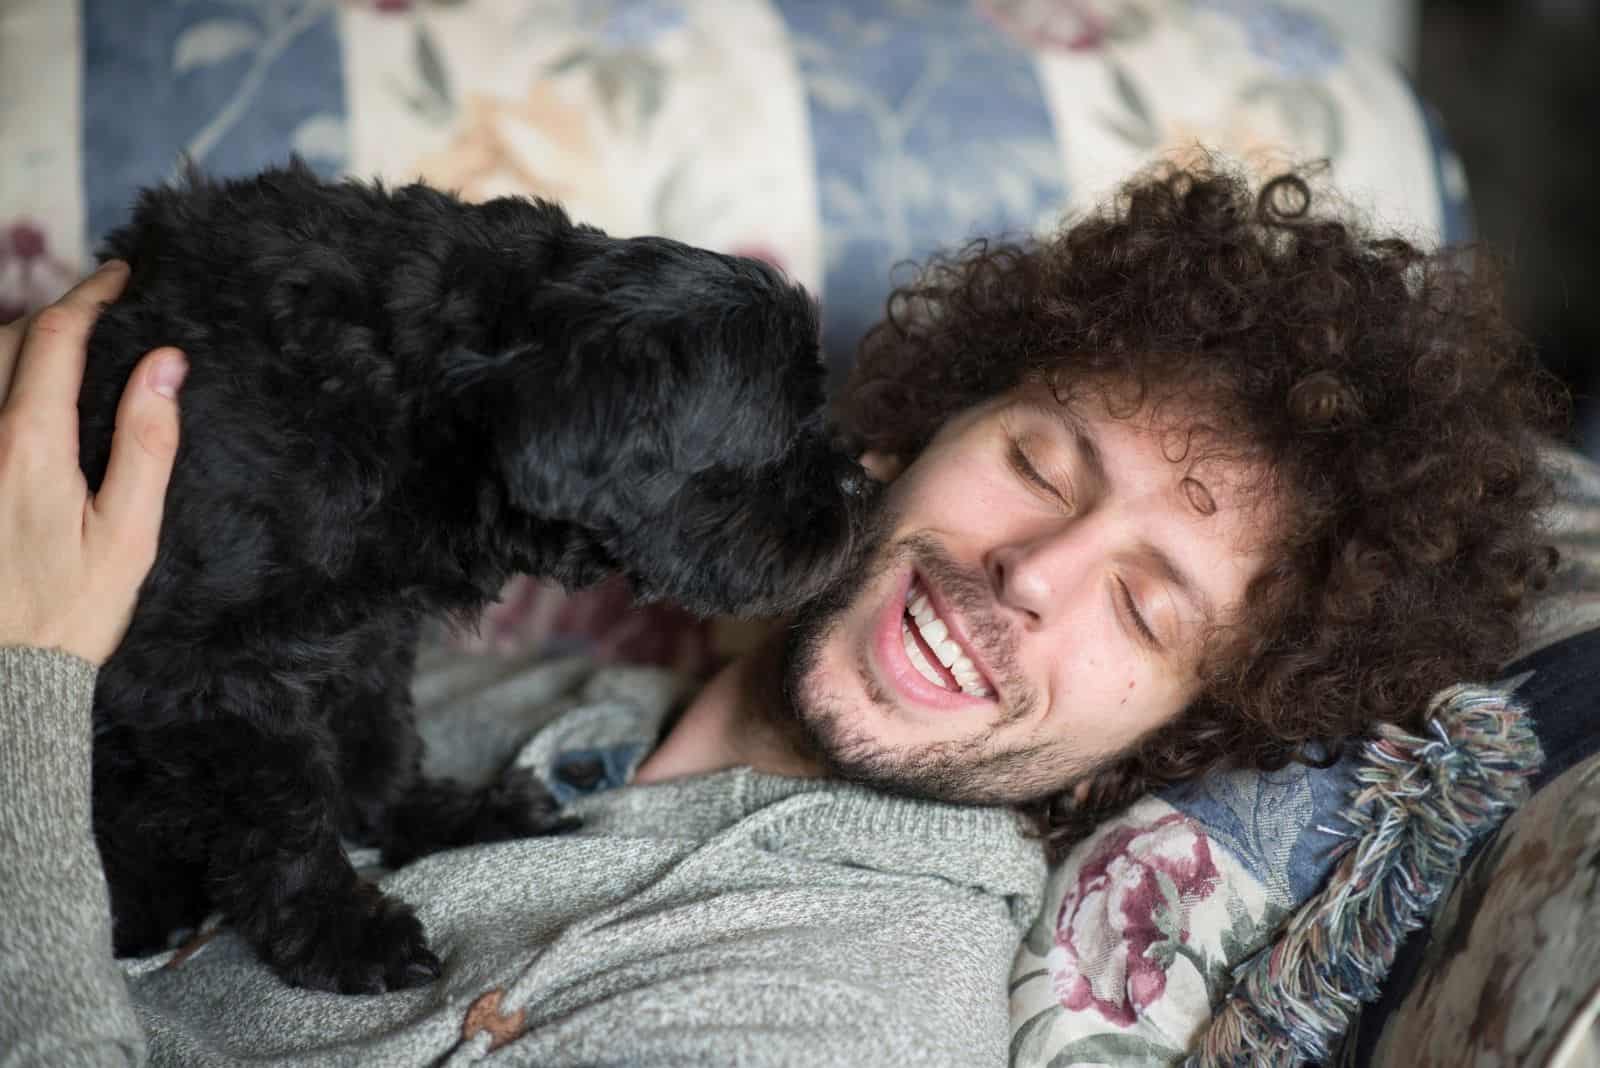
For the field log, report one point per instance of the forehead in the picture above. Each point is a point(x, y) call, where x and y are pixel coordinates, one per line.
point(1176, 432)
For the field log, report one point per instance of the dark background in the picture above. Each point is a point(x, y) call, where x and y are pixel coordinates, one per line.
point(1517, 85)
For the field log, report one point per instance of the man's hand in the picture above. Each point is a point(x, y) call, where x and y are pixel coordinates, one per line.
point(71, 562)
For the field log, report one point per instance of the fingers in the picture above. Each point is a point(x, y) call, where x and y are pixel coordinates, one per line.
point(49, 370)
point(127, 509)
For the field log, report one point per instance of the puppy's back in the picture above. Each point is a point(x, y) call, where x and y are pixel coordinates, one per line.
point(295, 416)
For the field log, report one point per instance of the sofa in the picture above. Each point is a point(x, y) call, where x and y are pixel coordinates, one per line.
point(1429, 899)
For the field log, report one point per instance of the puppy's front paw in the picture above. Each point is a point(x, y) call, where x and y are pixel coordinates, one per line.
point(364, 943)
point(440, 814)
point(518, 807)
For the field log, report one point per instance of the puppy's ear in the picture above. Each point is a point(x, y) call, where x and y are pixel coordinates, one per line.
point(558, 442)
point(484, 397)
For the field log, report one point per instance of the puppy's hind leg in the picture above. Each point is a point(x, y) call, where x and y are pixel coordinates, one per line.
point(388, 801)
point(440, 814)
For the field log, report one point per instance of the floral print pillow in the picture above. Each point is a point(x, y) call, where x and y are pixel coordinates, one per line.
point(1146, 919)
point(834, 138)
point(1129, 915)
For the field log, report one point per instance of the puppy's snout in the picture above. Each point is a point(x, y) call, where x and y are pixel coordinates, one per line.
point(856, 503)
point(856, 488)
point(853, 481)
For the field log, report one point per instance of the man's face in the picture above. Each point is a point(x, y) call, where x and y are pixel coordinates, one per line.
point(1037, 604)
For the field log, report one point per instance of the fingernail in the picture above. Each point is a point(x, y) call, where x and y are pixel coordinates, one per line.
point(167, 375)
point(112, 265)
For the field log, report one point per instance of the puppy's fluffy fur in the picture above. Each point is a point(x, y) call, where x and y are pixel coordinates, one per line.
point(396, 401)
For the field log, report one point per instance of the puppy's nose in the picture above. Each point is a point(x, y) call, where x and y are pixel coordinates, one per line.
point(853, 481)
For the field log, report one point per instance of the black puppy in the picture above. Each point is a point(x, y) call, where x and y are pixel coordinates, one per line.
point(395, 401)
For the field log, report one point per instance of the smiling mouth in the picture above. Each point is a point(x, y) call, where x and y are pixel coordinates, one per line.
point(933, 650)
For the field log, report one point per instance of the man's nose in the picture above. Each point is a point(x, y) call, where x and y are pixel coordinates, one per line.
point(1036, 573)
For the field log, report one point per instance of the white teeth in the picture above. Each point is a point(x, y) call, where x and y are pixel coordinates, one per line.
point(937, 635)
point(918, 661)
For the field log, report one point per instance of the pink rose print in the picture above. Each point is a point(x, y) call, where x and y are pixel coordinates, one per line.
point(30, 276)
point(1128, 917)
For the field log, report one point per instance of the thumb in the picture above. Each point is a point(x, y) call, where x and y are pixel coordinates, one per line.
point(129, 503)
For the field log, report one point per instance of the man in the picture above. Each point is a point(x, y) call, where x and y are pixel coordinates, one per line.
point(1205, 479)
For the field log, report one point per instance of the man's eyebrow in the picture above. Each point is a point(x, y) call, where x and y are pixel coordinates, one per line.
point(1163, 563)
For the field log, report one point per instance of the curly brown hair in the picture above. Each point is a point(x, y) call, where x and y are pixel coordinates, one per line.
point(1397, 412)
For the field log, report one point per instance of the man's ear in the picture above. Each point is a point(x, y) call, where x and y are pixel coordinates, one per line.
point(881, 466)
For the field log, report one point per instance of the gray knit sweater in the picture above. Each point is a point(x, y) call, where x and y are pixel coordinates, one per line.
point(730, 918)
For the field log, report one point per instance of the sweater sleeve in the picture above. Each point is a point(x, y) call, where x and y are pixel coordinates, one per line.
point(65, 1001)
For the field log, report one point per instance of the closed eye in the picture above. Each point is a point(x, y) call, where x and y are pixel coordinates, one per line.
point(1024, 467)
point(1135, 615)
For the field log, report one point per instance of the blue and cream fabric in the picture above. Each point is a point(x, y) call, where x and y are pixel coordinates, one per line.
point(837, 138)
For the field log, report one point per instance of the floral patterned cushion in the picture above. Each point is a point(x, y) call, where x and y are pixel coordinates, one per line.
point(834, 137)
point(1146, 919)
